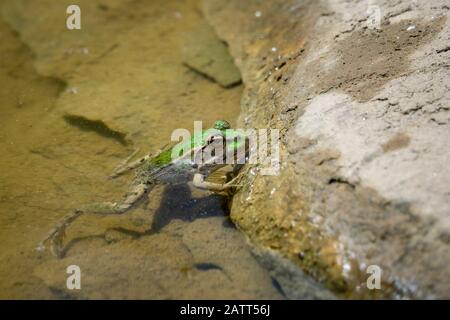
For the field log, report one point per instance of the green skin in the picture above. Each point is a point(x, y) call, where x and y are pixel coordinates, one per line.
point(165, 168)
point(161, 168)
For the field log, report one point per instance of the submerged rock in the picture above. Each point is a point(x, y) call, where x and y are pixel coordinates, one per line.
point(206, 54)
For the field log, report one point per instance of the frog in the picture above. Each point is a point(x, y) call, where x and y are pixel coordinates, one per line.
point(162, 168)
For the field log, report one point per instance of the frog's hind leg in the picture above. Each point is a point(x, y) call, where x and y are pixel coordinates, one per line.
point(125, 166)
point(56, 235)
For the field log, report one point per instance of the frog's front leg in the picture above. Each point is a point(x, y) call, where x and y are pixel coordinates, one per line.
point(200, 183)
point(56, 235)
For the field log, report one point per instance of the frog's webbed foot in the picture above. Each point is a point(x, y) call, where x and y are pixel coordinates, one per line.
point(56, 236)
point(200, 183)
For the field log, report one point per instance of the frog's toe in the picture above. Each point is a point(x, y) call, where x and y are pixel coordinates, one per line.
point(40, 247)
point(57, 248)
point(54, 242)
point(100, 208)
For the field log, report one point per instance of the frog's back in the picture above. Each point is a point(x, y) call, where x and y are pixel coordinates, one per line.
point(146, 173)
point(161, 169)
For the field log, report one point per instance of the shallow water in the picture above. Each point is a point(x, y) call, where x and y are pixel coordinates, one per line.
point(74, 105)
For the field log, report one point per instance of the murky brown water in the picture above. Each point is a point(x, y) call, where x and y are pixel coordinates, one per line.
point(124, 68)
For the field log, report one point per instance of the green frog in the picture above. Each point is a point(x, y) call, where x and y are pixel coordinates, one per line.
point(193, 160)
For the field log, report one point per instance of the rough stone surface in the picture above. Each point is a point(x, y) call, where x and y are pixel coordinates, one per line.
point(364, 115)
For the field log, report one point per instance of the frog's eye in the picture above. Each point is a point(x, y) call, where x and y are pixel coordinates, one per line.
point(222, 125)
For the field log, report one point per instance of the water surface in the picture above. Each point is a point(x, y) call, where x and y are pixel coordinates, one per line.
point(74, 105)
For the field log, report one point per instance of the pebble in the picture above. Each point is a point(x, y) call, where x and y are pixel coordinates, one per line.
point(72, 90)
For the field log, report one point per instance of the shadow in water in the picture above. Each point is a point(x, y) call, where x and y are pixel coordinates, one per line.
point(178, 203)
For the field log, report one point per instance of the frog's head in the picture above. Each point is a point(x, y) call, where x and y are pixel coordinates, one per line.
point(222, 125)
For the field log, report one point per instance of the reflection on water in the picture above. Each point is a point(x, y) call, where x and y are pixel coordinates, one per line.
point(63, 96)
